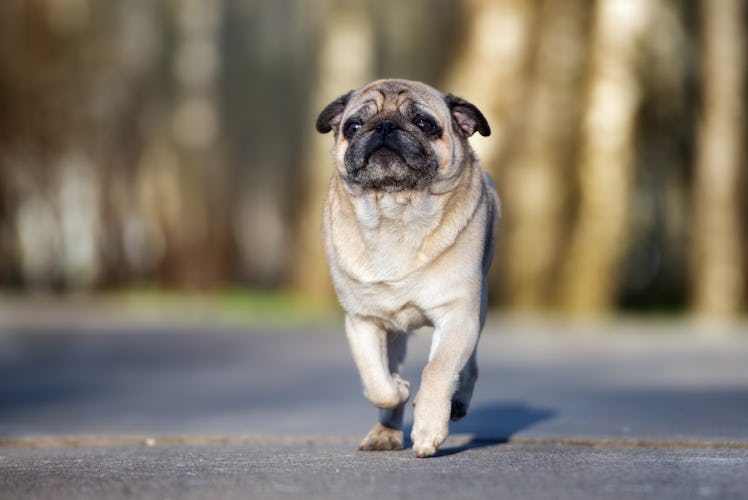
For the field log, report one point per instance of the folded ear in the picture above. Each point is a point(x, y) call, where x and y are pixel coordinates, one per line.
point(330, 117)
point(468, 118)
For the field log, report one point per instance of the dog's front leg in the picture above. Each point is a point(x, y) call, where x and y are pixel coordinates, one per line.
point(387, 434)
point(378, 355)
point(454, 341)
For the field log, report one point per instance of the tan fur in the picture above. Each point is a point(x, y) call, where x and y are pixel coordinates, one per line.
point(405, 259)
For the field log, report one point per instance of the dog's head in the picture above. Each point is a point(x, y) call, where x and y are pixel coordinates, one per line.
point(400, 135)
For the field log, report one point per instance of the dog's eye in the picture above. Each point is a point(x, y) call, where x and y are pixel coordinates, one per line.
point(426, 125)
point(350, 128)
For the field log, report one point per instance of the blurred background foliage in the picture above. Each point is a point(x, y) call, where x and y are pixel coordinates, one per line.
point(170, 143)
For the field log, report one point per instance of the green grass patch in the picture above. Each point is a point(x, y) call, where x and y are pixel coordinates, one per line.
point(233, 306)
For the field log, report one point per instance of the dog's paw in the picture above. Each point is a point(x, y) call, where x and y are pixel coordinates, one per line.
point(426, 440)
point(403, 387)
point(427, 447)
point(391, 395)
point(382, 438)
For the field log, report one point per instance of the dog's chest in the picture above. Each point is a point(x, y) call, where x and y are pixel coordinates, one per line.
point(394, 306)
point(393, 229)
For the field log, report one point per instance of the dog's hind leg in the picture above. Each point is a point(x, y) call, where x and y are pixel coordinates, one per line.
point(461, 397)
point(469, 374)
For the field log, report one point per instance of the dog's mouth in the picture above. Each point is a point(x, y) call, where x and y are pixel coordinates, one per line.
point(384, 168)
point(389, 162)
point(385, 155)
point(389, 152)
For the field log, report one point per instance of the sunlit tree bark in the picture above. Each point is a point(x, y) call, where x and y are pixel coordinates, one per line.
point(346, 61)
point(717, 265)
point(589, 276)
point(490, 69)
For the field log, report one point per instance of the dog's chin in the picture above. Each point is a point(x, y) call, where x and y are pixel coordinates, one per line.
point(386, 170)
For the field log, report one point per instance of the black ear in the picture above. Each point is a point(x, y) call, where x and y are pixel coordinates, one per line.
point(468, 118)
point(330, 117)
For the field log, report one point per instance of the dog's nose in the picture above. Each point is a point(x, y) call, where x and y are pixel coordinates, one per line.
point(386, 126)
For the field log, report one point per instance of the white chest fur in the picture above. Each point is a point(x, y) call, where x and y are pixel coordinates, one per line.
point(393, 227)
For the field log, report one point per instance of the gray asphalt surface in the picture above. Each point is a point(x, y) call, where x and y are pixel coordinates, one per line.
point(614, 410)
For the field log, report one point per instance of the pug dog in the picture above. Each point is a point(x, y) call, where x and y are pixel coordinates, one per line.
point(409, 227)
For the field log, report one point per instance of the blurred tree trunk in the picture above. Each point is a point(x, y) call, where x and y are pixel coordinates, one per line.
point(653, 274)
point(490, 69)
point(269, 60)
point(537, 171)
point(346, 29)
point(717, 263)
point(196, 233)
point(10, 11)
point(134, 239)
point(50, 182)
point(589, 276)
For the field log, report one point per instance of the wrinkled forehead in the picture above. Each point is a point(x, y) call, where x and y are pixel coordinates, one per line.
point(406, 97)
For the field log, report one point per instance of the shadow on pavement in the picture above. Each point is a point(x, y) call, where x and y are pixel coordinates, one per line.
point(491, 425)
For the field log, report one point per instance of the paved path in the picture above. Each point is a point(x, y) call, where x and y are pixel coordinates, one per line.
point(625, 410)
